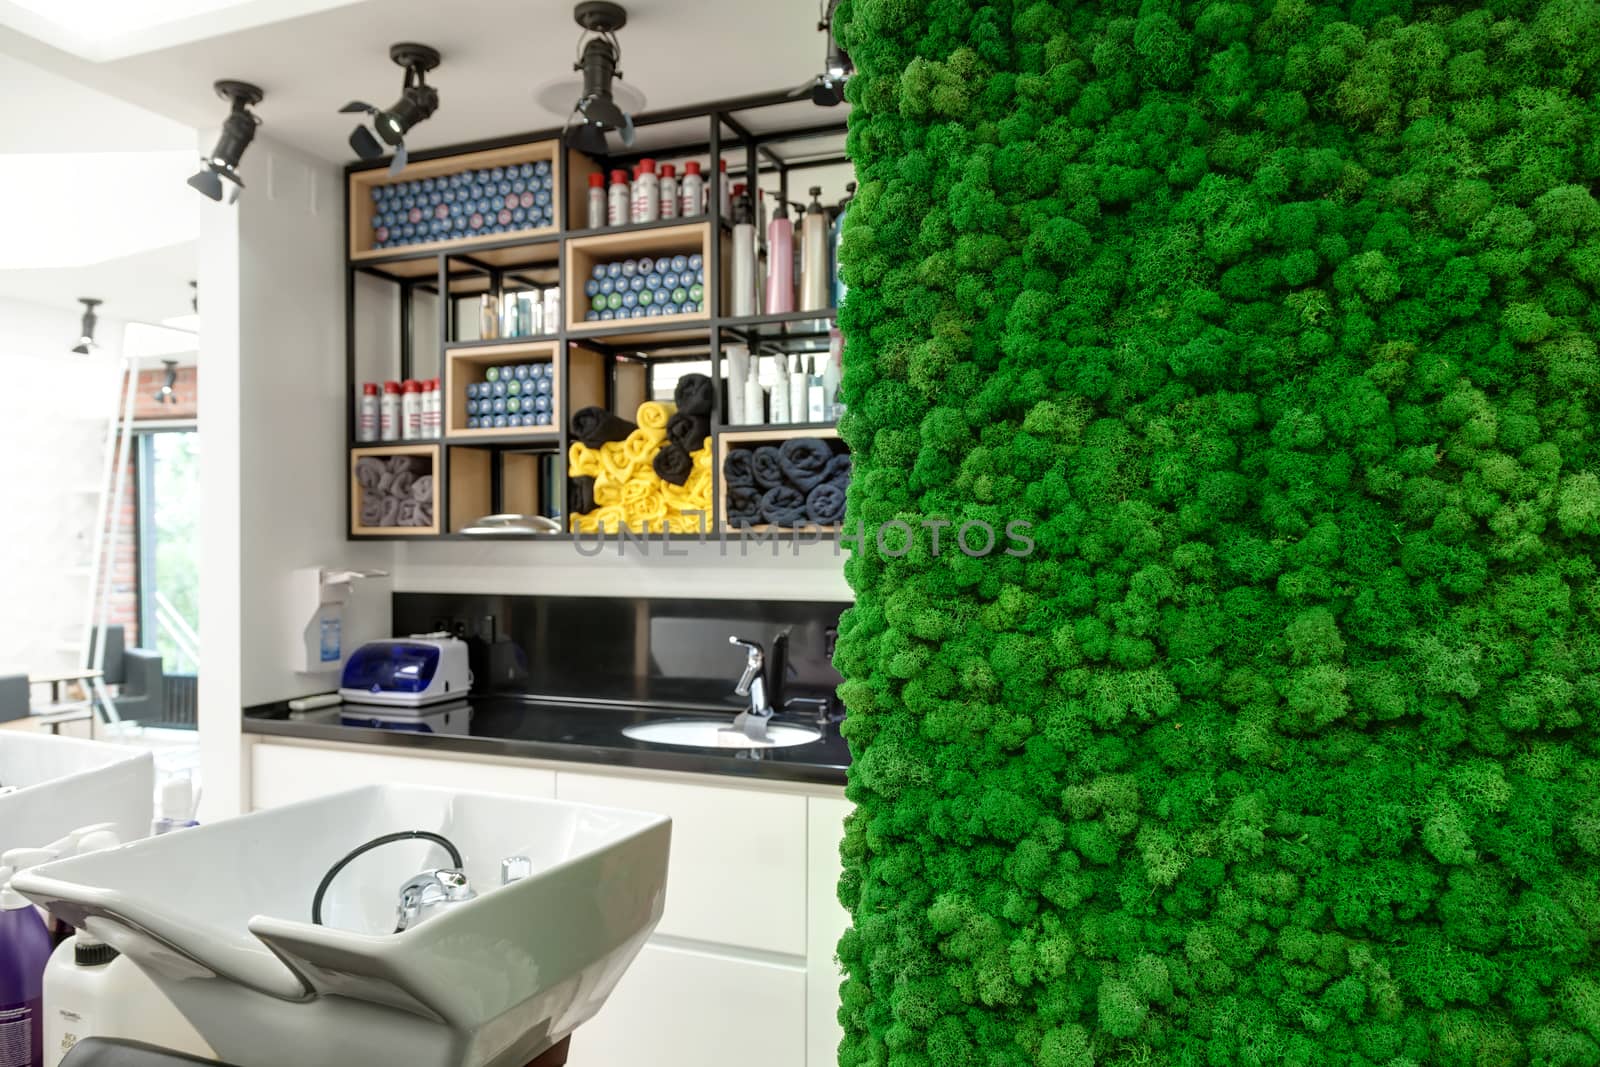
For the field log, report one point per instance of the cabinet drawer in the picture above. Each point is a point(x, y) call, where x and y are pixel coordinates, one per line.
point(738, 869)
point(686, 1008)
point(283, 774)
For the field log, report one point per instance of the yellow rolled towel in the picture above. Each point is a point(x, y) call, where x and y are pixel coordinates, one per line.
point(642, 445)
point(582, 461)
point(686, 523)
point(702, 457)
point(699, 486)
point(607, 493)
point(642, 500)
point(653, 414)
point(609, 519)
point(615, 462)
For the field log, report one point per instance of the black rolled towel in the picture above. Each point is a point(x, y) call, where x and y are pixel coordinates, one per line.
point(766, 467)
point(580, 495)
point(736, 469)
point(783, 505)
point(688, 432)
point(825, 504)
point(838, 469)
point(595, 426)
point(673, 464)
point(803, 460)
point(744, 505)
point(693, 396)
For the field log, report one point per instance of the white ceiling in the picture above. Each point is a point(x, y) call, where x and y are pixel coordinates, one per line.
point(148, 286)
point(496, 53)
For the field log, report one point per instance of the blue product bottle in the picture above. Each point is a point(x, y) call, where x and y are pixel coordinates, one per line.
point(680, 263)
point(25, 947)
point(697, 262)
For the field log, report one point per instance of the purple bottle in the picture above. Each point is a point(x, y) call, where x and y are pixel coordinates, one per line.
point(24, 951)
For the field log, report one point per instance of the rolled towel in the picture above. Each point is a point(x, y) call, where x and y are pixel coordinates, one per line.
point(654, 414)
point(401, 486)
point(744, 505)
point(607, 493)
point(391, 511)
point(371, 508)
point(422, 489)
point(804, 459)
point(369, 471)
point(693, 396)
point(615, 463)
point(583, 461)
point(595, 426)
point(385, 481)
point(736, 469)
point(673, 464)
point(688, 432)
point(425, 514)
point(641, 445)
point(838, 468)
point(642, 501)
point(767, 467)
point(825, 504)
point(407, 515)
point(783, 505)
point(580, 495)
point(401, 464)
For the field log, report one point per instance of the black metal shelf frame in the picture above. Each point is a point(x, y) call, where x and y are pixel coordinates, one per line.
point(439, 271)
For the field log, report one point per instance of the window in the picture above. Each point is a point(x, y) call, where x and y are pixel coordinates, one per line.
point(169, 547)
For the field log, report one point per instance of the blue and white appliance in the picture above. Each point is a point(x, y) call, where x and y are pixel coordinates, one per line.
point(407, 672)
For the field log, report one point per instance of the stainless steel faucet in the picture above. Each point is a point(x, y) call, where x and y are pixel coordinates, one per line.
point(753, 683)
point(424, 895)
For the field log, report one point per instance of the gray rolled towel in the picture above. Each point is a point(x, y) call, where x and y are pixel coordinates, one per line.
point(391, 511)
point(401, 486)
point(385, 481)
point(425, 514)
point(838, 468)
point(400, 464)
point(804, 459)
point(371, 508)
point(825, 503)
point(369, 471)
point(783, 505)
point(768, 471)
point(407, 515)
point(422, 490)
point(736, 469)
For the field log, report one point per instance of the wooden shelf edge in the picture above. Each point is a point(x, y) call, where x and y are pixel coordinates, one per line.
point(827, 432)
point(547, 346)
point(532, 437)
point(543, 235)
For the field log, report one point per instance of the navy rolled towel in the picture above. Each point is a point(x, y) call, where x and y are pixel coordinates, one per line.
point(804, 459)
point(580, 495)
point(767, 467)
point(694, 396)
point(688, 432)
point(838, 469)
point(673, 464)
point(744, 505)
point(736, 469)
point(825, 504)
point(783, 505)
point(595, 426)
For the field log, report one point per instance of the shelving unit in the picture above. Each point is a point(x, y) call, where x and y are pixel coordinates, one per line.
point(609, 364)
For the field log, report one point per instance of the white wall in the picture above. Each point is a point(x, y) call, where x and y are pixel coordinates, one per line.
point(55, 410)
point(274, 469)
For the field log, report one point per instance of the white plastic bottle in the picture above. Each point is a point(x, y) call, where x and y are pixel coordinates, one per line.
point(367, 413)
point(738, 370)
point(754, 398)
point(742, 278)
point(646, 193)
point(597, 200)
point(389, 413)
point(92, 991)
point(669, 193)
point(799, 386)
point(430, 409)
point(411, 410)
point(780, 396)
point(617, 195)
point(692, 193)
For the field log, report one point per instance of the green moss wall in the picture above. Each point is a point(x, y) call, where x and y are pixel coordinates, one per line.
point(1277, 320)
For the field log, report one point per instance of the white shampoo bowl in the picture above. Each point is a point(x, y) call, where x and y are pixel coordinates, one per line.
point(220, 915)
point(67, 783)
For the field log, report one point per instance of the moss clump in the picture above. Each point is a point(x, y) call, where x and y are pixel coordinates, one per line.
point(1277, 321)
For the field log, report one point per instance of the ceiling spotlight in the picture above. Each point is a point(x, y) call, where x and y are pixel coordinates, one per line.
point(167, 394)
point(238, 130)
point(86, 341)
point(827, 88)
point(596, 111)
point(418, 100)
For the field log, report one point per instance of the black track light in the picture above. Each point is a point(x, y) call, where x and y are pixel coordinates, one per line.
point(238, 130)
point(827, 88)
point(418, 100)
point(86, 342)
point(596, 111)
point(167, 394)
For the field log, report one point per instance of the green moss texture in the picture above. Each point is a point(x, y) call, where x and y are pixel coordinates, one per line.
point(1277, 320)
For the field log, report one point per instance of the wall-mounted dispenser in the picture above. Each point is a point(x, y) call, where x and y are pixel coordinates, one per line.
point(319, 648)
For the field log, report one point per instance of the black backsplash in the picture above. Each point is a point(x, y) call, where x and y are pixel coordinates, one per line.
point(652, 650)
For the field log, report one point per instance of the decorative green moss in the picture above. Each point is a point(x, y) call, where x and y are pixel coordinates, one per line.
point(1277, 320)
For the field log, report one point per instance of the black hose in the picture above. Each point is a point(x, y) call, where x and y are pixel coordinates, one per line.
point(377, 842)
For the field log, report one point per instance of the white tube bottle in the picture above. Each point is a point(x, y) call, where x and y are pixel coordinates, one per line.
point(389, 413)
point(798, 385)
point(692, 192)
point(742, 276)
point(669, 192)
point(755, 407)
point(738, 359)
point(646, 193)
point(780, 396)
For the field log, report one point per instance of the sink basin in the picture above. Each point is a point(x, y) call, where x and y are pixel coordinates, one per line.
point(493, 982)
point(704, 733)
point(66, 783)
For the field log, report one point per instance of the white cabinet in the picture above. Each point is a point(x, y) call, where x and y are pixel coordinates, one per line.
point(826, 922)
point(738, 869)
point(283, 774)
point(683, 1007)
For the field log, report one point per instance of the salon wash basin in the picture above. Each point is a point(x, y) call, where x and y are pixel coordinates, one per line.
point(219, 916)
point(66, 783)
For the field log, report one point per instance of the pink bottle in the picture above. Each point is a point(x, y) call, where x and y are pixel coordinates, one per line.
point(780, 262)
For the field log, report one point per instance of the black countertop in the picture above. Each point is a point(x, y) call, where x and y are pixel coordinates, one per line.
point(566, 730)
